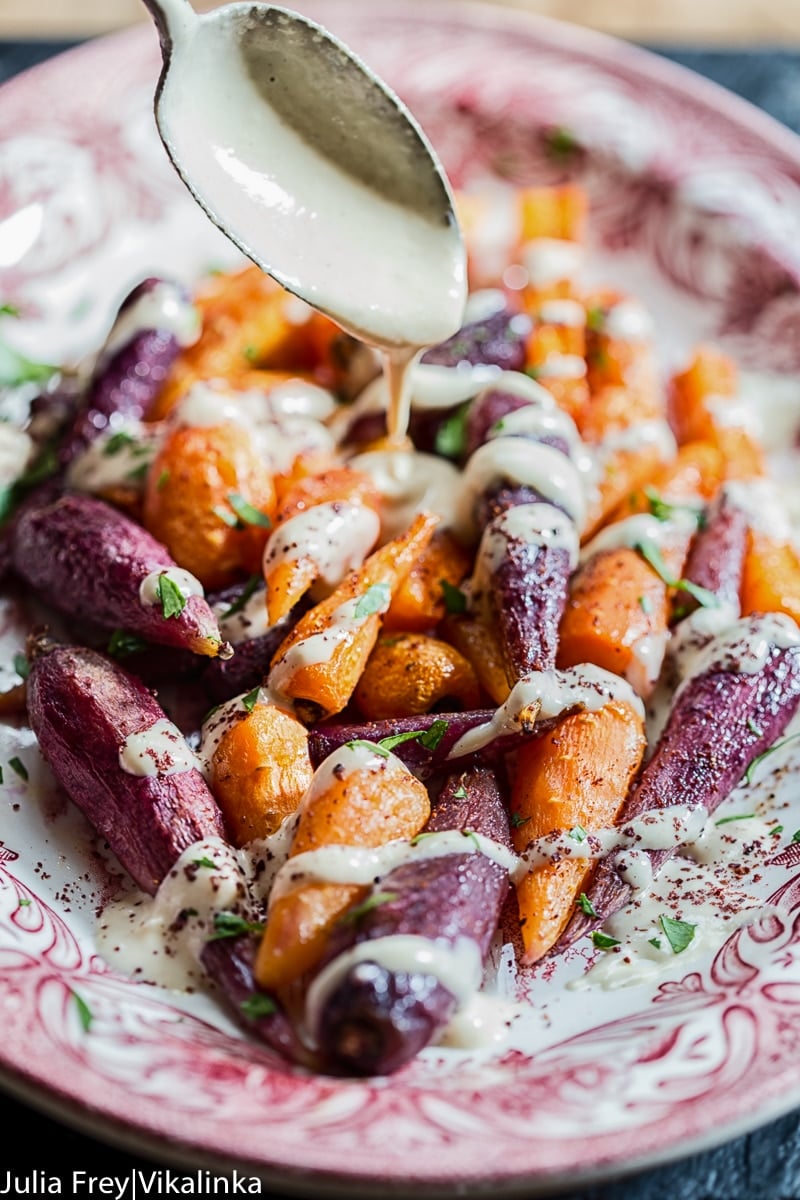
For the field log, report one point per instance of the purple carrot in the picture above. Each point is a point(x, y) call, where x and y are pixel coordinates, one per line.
point(721, 721)
point(82, 707)
point(374, 1020)
point(498, 341)
point(130, 373)
point(716, 556)
point(431, 754)
point(89, 560)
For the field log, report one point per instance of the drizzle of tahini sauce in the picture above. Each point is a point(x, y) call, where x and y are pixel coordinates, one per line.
point(186, 583)
point(336, 537)
point(159, 750)
point(382, 261)
point(161, 307)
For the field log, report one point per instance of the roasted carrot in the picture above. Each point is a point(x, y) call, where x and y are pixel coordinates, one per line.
point(411, 673)
point(421, 600)
point(260, 772)
point(361, 799)
point(211, 501)
point(320, 662)
point(478, 642)
point(336, 483)
point(771, 576)
point(702, 407)
point(577, 776)
point(552, 212)
point(694, 475)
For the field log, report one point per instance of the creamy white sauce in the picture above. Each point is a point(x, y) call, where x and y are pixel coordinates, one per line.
point(551, 260)
point(561, 366)
point(336, 537)
point(157, 751)
point(184, 581)
point(763, 506)
point(516, 383)
point(162, 307)
point(409, 483)
point(641, 528)
point(695, 632)
point(298, 398)
point(16, 451)
point(519, 461)
point(647, 660)
point(484, 303)
point(248, 622)
point(637, 437)
point(537, 422)
point(159, 939)
point(731, 412)
point(353, 756)
point(216, 725)
point(384, 272)
point(544, 694)
point(742, 647)
point(563, 312)
point(363, 865)
point(213, 403)
point(628, 321)
point(106, 464)
point(456, 966)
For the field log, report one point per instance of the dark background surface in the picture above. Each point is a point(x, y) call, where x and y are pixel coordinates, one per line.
point(764, 1165)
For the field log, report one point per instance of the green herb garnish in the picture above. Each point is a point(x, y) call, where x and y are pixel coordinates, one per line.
point(247, 512)
point(358, 743)
point(24, 903)
point(117, 442)
point(397, 739)
point(22, 666)
point(517, 820)
point(585, 905)
point(578, 833)
point(121, 644)
point(431, 738)
point(228, 925)
point(645, 604)
point(603, 941)
point(173, 601)
point(654, 942)
point(678, 933)
point(18, 766)
point(460, 793)
point(228, 517)
point(251, 699)
point(796, 836)
point(258, 1005)
point(162, 480)
point(473, 837)
point(84, 1012)
point(774, 832)
point(455, 601)
point(735, 817)
point(561, 143)
point(353, 915)
point(663, 510)
point(9, 310)
point(759, 758)
point(652, 555)
point(16, 369)
point(451, 436)
point(206, 862)
point(247, 591)
point(375, 599)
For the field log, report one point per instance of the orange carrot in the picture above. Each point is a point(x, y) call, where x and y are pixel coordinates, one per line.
point(478, 642)
point(771, 576)
point(696, 473)
point(366, 803)
point(211, 502)
point(410, 673)
point(701, 407)
point(261, 771)
point(320, 662)
point(420, 602)
point(577, 775)
point(553, 212)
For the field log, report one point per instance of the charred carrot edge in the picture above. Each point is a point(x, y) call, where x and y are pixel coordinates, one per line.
point(324, 687)
point(367, 806)
point(576, 776)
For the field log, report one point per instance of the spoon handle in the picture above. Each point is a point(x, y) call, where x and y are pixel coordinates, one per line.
point(171, 17)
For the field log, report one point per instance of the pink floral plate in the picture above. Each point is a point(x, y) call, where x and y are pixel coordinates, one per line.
point(695, 207)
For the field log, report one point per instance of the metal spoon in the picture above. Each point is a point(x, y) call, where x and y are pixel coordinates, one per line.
point(313, 167)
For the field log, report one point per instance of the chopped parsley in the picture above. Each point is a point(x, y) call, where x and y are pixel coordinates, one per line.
point(751, 725)
point(652, 555)
point(603, 941)
point(24, 903)
point(473, 837)
point(138, 473)
point(431, 738)
point(121, 644)
point(247, 512)
point(162, 480)
point(18, 766)
point(228, 925)
point(239, 603)
point(228, 517)
point(84, 1012)
point(251, 699)
point(16, 369)
point(451, 436)
point(517, 820)
point(358, 743)
point(117, 442)
point(206, 862)
point(375, 599)
point(654, 942)
point(561, 143)
point(397, 739)
point(460, 793)
point(353, 915)
point(578, 833)
point(258, 1005)
point(173, 601)
point(646, 604)
point(455, 601)
point(796, 836)
point(759, 758)
point(595, 318)
point(679, 934)
point(22, 666)
point(9, 310)
point(585, 905)
point(663, 510)
point(774, 832)
point(735, 817)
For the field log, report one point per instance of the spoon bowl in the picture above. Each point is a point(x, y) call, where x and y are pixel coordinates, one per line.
point(313, 167)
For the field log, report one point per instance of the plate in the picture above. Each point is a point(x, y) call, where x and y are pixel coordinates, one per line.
point(696, 208)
